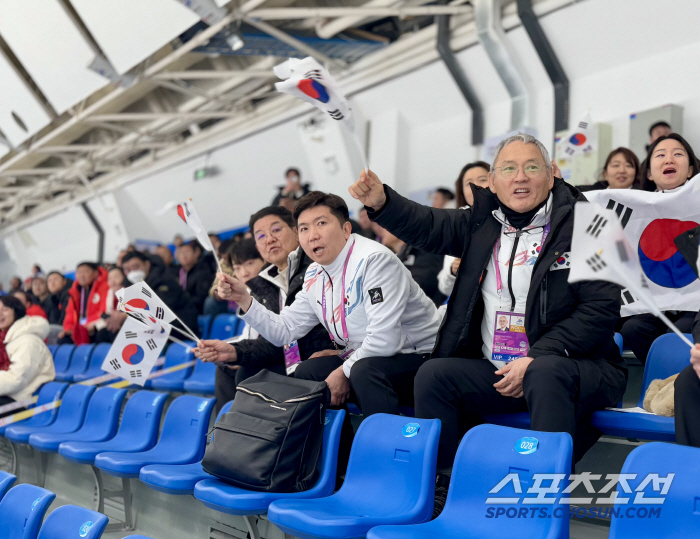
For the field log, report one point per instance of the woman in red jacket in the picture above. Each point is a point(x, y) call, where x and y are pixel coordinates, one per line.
point(86, 305)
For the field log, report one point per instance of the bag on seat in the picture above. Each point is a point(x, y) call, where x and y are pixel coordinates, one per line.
point(271, 439)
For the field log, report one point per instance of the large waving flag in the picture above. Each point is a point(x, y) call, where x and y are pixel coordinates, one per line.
point(310, 81)
point(600, 250)
point(660, 228)
point(135, 351)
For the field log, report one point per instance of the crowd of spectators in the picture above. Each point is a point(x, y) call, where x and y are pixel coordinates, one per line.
point(390, 336)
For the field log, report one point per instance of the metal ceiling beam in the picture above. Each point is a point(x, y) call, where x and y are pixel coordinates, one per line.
point(80, 148)
point(271, 14)
point(152, 116)
point(28, 81)
point(214, 74)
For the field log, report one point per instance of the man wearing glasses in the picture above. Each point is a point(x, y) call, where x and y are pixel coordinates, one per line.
point(560, 361)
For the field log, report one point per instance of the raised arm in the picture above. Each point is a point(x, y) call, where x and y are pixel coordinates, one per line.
point(436, 231)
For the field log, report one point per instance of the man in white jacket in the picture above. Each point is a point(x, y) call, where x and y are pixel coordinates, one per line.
point(382, 324)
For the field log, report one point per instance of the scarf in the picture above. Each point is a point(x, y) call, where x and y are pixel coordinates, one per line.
point(520, 220)
point(4, 358)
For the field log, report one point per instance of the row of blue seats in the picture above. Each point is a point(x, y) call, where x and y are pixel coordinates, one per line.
point(222, 326)
point(22, 511)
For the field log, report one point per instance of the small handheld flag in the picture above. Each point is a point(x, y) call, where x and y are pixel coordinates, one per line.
point(135, 351)
point(189, 215)
point(600, 251)
point(309, 81)
point(583, 139)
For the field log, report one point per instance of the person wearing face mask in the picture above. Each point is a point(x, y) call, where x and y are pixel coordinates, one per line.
point(86, 305)
point(25, 361)
point(476, 173)
point(670, 163)
point(274, 287)
point(558, 360)
point(139, 267)
point(621, 171)
point(382, 324)
point(293, 188)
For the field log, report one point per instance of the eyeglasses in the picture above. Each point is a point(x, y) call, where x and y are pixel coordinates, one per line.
point(275, 232)
point(511, 171)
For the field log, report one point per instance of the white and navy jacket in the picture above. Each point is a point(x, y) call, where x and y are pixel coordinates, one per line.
point(386, 311)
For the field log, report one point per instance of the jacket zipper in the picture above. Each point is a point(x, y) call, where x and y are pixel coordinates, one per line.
point(269, 399)
point(543, 300)
point(518, 233)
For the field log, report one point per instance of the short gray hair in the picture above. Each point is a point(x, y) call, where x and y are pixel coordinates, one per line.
point(527, 139)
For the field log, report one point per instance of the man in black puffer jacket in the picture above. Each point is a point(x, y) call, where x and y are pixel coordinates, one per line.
point(275, 287)
point(519, 317)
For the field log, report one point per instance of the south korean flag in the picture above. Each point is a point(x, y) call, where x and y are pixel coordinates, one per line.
point(140, 301)
point(135, 351)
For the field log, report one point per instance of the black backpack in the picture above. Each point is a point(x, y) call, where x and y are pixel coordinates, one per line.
point(271, 439)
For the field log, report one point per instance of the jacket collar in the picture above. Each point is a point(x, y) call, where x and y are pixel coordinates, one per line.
point(339, 261)
point(540, 219)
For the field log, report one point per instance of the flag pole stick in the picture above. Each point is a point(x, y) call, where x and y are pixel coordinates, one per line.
point(673, 328)
point(190, 332)
point(178, 341)
point(361, 150)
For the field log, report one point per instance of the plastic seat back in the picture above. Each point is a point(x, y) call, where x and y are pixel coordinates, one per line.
point(328, 461)
point(141, 417)
point(79, 361)
point(49, 392)
point(668, 355)
point(22, 510)
point(52, 348)
point(392, 466)
point(176, 355)
point(619, 342)
point(490, 454)
point(71, 521)
point(102, 417)
point(99, 353)
point(204, 373)
point(61, 359)
point(6, 481)
point(664, 508)
point(224, 327)
point(185, 427)
point(204, 324)
point(71, 413)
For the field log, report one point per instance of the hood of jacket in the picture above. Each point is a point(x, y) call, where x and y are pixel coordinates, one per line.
point(28, 325)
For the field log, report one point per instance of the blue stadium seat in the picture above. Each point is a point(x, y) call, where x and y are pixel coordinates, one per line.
point(668, 355)
point(61, 358)
point(52, 348)
point(22, 510)
point(679, 516)
point(175, 381)
point(390, 480)
point(49, 392)
point(229, 499)
point(78, 363)
point(138, 430)
point(6, 481)
point(70, 416)
point(182, 440)
point(224, 327)
point(203, 378)
point(521, 420)
point(204, 324)
point(101, 422)
point(96, 359)
point(485, 457)
point(177, 478)
point(71, 521)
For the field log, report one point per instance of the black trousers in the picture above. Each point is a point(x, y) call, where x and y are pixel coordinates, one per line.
point(560, 393)
point(9, 400)
point(687, 405)
point(227, 380)
point(379, 384)
point(640, 331)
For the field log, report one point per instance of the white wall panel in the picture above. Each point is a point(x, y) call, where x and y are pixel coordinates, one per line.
point(129, 31)
point(51, 49)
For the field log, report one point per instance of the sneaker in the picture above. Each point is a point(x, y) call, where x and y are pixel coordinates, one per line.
point(442, 483)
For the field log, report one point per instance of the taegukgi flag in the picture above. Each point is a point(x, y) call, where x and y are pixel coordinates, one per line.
point(135, 351)
point(583, 139)
point(140, 297)
point(188, 214)
point(662, 229)
point(310, 81)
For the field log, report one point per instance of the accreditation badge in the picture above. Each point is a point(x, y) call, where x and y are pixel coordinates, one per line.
point(509, 338)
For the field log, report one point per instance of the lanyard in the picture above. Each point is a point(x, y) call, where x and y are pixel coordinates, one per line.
point(496, 251)
point(82, 308)
point(342, 310)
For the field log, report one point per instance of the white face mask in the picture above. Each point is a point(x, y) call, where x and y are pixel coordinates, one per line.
point(136, 276)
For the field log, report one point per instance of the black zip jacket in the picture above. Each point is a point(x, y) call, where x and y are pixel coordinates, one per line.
point(172, 294)
point(570, 320)
point(262, 353)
